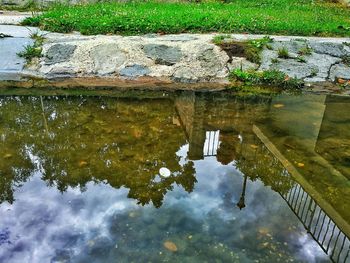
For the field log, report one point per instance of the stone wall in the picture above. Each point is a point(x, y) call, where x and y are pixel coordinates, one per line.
point(185, 58)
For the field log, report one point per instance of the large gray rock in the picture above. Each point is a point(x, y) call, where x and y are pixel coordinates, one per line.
point(295, 69)
point(210, 60)
point(107, 58)
point(293, 46)
point(339, 71)
point(328, 48)
point(59, 53)
point(163, 54)
point(134, 71)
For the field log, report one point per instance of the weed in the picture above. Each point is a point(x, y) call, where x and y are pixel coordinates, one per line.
point(270, 78)
point(301, 59)
point(314, 72)
point(283, 52)
point(30, 52)
point(254, 48)
point(305, 51)
point(268, 46)
point(274, 60)
point(34, 50)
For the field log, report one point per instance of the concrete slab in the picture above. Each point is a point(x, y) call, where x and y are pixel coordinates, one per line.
point(18, 31)
point(10, 63)
point(12, 18)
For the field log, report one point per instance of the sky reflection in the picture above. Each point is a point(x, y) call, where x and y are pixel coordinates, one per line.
point(45, 225)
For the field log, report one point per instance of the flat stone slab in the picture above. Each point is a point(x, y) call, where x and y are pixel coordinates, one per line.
point(19, 31)
point(9, 47)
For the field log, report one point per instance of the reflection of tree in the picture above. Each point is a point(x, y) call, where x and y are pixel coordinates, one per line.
point(15, 164)
point(255, 161)
point(120, 142)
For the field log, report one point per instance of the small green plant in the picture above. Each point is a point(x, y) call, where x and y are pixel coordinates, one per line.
point(260, 43)
point(314, 72)
point(254, 48)
point(30, 52)
point(269, 77)
point(34, 50)
point(274, 60)
point(301, 59)
point(283, 52)
point(305, 51)
point(269, 46)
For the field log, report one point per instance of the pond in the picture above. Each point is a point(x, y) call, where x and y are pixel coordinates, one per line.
point(252, 178)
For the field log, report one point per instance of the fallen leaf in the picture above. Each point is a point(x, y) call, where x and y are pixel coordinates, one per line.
point(82, 163)
point(278, 105)
point(301, 165)
point(7, 156)
point(254, 146)
point(341, 81)
point(170, 246)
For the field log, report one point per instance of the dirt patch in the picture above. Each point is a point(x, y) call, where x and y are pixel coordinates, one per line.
point(234, 49)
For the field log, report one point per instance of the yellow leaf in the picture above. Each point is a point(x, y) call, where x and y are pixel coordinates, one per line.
point(82, 163)
point(170, 246)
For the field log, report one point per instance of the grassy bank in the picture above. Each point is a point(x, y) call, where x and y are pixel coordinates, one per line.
point(290, 17)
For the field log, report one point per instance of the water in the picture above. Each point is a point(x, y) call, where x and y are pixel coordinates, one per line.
point(253, 179)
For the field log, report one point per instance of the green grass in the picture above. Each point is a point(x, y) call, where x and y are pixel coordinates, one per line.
point(32, 51)
point(272, 78)
point(283, 53)
point(285, 17)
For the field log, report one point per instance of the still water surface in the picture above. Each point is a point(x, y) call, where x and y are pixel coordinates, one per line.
point(253, 179)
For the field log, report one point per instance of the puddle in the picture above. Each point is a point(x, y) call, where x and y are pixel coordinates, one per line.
point(252, 179)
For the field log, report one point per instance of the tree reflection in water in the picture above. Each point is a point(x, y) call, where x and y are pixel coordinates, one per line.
point(104, 140)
